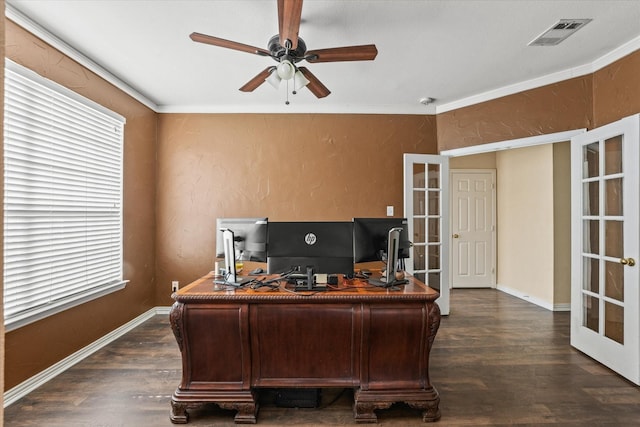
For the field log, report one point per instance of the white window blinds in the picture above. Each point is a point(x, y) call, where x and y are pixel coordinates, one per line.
point(62, 198)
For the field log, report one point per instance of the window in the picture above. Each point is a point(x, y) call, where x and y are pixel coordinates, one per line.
point(62, 198)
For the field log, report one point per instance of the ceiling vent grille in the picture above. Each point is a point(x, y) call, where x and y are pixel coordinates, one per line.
point(559, 32)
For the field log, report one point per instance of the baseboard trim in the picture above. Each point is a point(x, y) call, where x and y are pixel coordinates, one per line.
point(562, 307)
point(523, 296)
point(26, 387)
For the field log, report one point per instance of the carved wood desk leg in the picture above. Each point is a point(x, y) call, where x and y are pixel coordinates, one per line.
point(246, 412)
point(179, 412)
point(364, 412)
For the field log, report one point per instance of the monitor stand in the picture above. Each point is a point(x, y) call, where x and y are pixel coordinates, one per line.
point(307, 283)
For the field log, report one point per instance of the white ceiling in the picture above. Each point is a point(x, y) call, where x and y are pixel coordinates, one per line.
point(458, 52)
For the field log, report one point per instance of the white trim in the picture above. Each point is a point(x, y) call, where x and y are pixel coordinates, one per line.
point(562, 307)
point(529, 141)
point(39, 31)
point(523, 296)
point(26, 387)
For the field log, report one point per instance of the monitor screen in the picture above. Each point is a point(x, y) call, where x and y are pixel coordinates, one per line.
point(250, 238)
point(327, 247)
point(370, 237)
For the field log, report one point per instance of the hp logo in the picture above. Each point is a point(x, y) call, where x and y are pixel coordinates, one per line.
point(310, 239)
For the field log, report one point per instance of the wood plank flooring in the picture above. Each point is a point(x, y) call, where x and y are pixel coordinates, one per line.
point(497, 361)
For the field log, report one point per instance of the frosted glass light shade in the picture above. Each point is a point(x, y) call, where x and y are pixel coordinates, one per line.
point(300, 80)
point(274, 79)
point(286, 70)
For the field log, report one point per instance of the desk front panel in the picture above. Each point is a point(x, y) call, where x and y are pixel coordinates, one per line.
point(309, 345)
point(217, 347)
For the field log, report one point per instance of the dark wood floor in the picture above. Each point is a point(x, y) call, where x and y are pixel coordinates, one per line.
point(496, 361)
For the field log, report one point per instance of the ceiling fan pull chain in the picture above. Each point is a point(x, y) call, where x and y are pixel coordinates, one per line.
point(287, 101)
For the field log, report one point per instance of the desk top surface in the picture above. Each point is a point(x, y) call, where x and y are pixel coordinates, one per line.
point(205, 290)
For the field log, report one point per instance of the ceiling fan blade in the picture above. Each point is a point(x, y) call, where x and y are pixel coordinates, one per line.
point(253, 84)
point(217, 41)
point(366, 52)
point(289, 15)
point(315, 86)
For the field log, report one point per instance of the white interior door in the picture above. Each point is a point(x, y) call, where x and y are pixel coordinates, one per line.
point(605, 296)
point(426, 207)
point(473, 228)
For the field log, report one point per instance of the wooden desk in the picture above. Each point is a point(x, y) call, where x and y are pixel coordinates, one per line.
point(374, 340)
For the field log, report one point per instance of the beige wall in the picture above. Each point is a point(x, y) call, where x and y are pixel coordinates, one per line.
point(562, 225)
point(525, 222)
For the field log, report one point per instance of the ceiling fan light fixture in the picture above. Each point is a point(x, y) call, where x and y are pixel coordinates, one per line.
point(299, 80)
point(274, 79)
point(286, 70)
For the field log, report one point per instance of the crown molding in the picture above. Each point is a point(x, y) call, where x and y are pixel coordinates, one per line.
point(582, 70)
point(37, 30)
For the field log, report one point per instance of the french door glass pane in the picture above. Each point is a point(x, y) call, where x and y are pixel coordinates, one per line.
point(419, 257)
point(614, 239)
point(614, 280)
point(434, 202)
point(613, 155)
point(434, 229)
point(434, 257)
point(591, 313)
point(591, 239)
point(418, 202)
point(419, 231)
point(418, 175)
point(434, 280)
point(591, 198)
point(591, 274)
point(614, 322)
point(434, 176)
point(613, 199)
point(591, 160)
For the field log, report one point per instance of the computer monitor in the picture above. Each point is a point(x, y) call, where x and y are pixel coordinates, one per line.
point(393, 245)
point(370, 238)
point(326, 247)
point(249, 238)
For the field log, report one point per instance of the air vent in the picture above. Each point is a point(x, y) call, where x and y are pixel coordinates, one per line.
point(559, 31)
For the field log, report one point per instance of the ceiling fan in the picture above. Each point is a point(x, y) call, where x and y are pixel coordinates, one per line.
point(288, 49)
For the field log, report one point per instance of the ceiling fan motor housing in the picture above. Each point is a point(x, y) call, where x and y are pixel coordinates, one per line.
point(278, 51)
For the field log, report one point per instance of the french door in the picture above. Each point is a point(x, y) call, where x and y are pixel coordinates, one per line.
point(605, 234)
point(426, 207)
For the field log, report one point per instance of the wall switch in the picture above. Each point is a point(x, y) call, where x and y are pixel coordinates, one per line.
point(174, 286)
point(389, 210)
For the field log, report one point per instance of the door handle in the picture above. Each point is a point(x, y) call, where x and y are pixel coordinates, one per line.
point(455, 236)
point(628, 261)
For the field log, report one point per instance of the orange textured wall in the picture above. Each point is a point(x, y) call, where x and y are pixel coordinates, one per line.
point(616, 90)
point(34, 347)
point(553, 108)
point(283, 166)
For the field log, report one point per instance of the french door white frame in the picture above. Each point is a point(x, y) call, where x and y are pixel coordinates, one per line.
point(434, 242)
point(622, 357)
